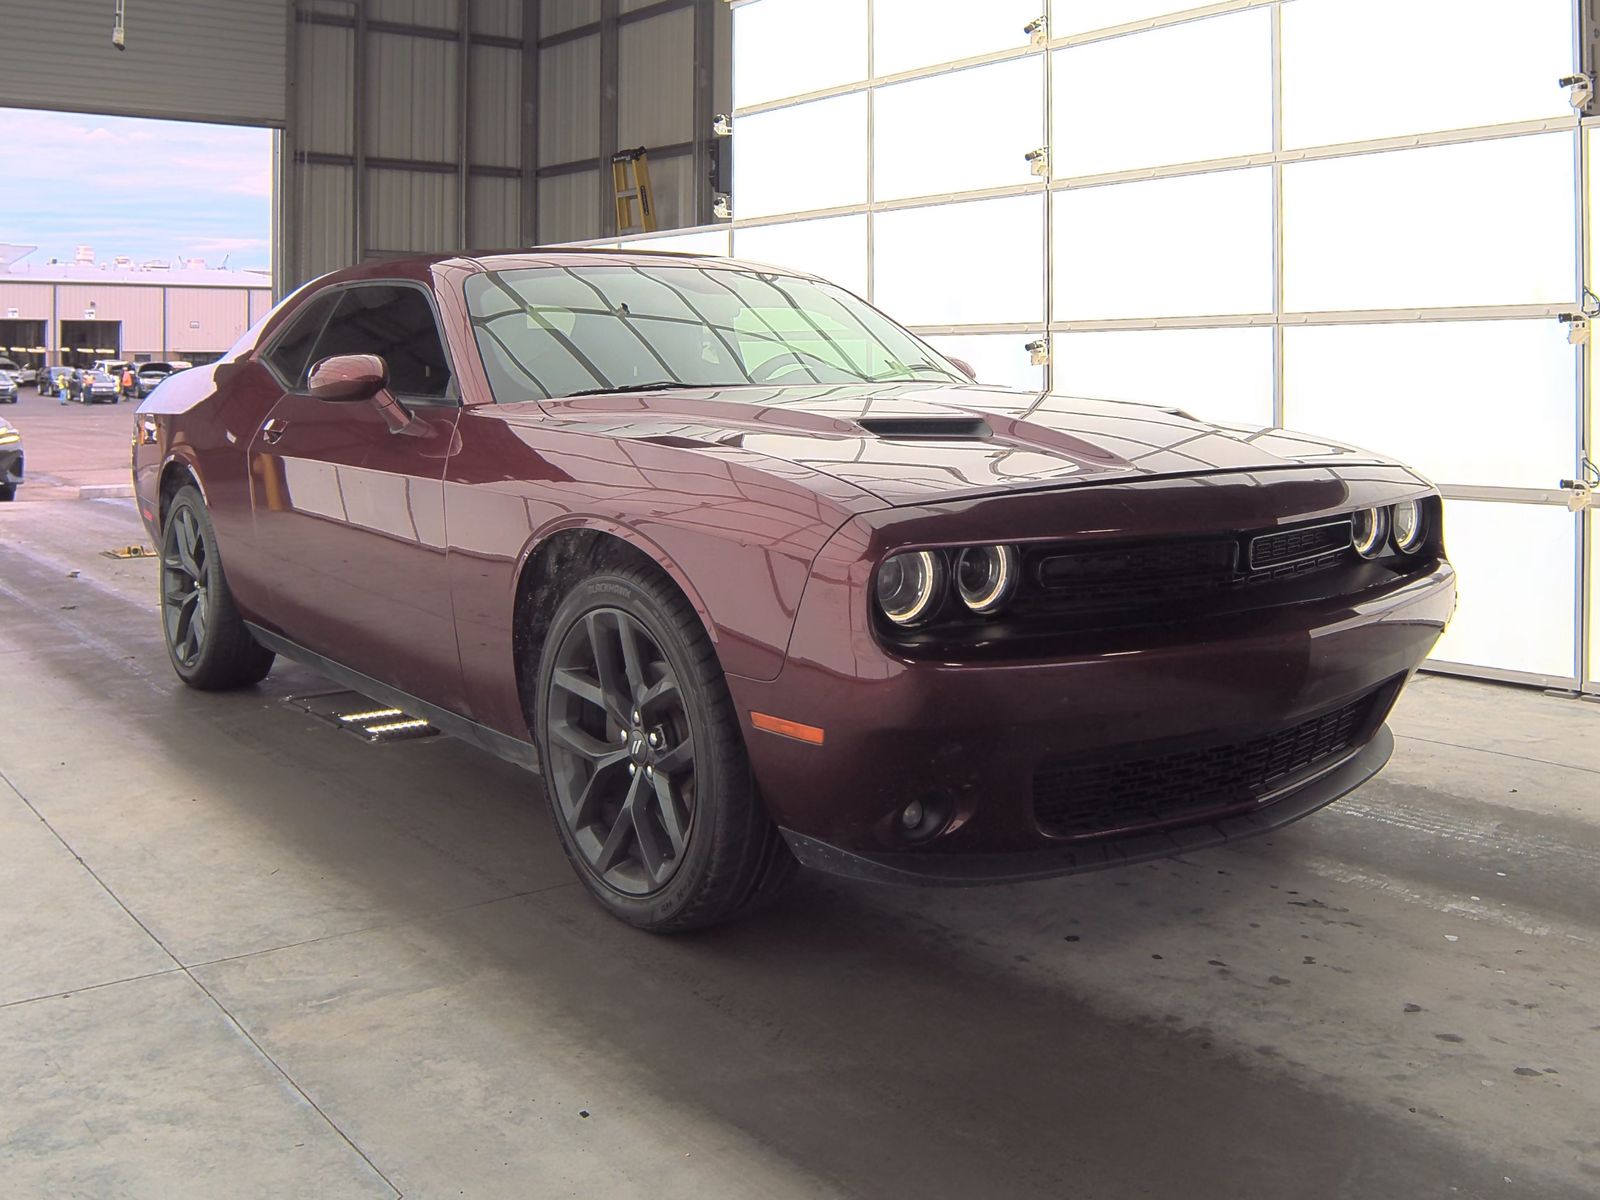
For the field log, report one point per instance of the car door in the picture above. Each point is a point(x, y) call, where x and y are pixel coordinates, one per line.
point(349, 516)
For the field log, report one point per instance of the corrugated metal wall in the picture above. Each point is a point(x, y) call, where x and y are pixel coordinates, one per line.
point(614, 74)
point(407, 130)
point(201, 60)
point(199, 320)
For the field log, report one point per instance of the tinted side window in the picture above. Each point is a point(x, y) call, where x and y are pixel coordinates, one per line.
point(292, 355)
point(396, 323)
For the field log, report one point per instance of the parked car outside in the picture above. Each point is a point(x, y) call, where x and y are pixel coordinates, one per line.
point(755, 577)
point(8, 390)
point(48, 382)
point(148, 375)
point(95, 387)
point(10, 369)
point(10, 460)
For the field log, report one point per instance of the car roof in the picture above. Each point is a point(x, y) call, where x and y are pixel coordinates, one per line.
point(421, 267)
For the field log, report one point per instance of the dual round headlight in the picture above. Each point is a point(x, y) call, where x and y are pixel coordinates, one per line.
point(912, 587)
point(1372, 529)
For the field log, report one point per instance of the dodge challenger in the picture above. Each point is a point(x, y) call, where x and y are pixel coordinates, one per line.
point(756, 578)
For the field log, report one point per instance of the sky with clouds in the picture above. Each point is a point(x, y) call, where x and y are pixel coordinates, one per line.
point(125, 185)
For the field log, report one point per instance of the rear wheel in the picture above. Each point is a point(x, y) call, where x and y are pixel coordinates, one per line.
point(206, 638)
point(644, 764)
point(8, 491)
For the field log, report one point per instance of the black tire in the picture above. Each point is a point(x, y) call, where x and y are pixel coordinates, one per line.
point(206, 639)
point(721, 856)
point(8, 491)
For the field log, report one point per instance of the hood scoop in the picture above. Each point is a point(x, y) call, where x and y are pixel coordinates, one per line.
point(928, 429)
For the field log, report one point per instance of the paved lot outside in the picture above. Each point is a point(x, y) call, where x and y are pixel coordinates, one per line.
point(244, 954)
point(72, 449)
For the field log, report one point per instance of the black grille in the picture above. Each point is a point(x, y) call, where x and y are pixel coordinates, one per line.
point(1298, 545)
point(1116, 576)
point(1085, 797)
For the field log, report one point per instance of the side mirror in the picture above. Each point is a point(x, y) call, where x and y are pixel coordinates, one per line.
point(347, 377)
point(964, 367)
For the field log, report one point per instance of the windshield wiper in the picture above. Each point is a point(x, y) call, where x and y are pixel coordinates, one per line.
point(660, 385)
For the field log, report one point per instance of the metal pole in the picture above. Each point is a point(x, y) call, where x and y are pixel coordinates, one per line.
point(528, 211)
point(705, 52)
point(463, 123)
point(358, 134)
point(610, 78)
point(1278, 369)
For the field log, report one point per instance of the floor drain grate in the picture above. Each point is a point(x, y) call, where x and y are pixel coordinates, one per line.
point(362, 716)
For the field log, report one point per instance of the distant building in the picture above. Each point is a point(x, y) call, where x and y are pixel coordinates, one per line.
point(69, 314)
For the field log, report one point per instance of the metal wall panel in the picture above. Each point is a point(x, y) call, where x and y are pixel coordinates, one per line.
point(411, 211)
point(497, 18)
point(260, 305)
point(325, 200)
point(569, 115)
point(202, 320)
point(439, 14)
point(493, 214)
point(411, 89)
point(567, 207)
point(31, 300)
point(201, 60)
point(324, 59)
point(557, 16)
point(138, 308)
point(655, 88)
point(495, 106)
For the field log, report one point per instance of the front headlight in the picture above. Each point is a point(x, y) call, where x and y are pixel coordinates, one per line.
point(909, 587)
point(7, 436)
point(1409, 528)
point(985, 577)
point(1369, 530)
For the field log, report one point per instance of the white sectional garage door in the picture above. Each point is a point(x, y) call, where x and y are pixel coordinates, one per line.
point(203, 60)
point(1364, 218)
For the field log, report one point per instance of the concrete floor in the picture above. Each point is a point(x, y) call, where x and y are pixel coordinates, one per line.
point(243, 953)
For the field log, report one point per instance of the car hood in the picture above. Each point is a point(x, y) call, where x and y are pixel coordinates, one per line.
point(916, 443)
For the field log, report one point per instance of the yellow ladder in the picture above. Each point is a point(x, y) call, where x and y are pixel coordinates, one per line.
point(638, 190)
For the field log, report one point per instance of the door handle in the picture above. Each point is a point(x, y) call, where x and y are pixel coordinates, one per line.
point(273, 430)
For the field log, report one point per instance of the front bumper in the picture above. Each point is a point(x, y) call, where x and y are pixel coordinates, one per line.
point(977, 737)
point(1098, 854)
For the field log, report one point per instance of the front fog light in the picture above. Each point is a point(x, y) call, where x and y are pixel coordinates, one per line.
point(985, 576)
point(1409, 529)
point(1369, 529)
point(910, 586)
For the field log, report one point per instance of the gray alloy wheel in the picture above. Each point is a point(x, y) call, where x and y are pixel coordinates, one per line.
point(206, 638)
point(644, 762)
point(621, 752)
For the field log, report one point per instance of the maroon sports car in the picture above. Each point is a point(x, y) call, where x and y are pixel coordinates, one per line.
point(754, 576)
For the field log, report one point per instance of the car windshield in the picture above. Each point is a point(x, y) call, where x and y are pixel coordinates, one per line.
point(563, 331)
point(155, 369)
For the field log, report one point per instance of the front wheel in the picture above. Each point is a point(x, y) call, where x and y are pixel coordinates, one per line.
point(8, 491)
point(644, 765)
point(206, 638)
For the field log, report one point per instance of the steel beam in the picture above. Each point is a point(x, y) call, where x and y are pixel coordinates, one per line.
point(528, 207)
point(610, 82)
point(358, 135)
point(463, 122)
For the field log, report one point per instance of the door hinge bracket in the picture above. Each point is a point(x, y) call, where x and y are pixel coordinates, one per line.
point(1039, 161)
point(1038, 30)
point(1581, 491)
point(1577, 327)
point(1039, 352)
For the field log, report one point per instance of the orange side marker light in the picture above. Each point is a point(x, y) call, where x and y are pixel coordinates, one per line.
point(789, 729)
